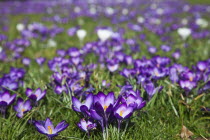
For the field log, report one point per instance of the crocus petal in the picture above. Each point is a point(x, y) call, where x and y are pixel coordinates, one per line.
point(29, 91)
point(48, 123)
point(76, 104)
point(109, 99)
point(61, 126)
point(89, 100)
point(95, 115)
point(38, 92)
point(27, 105)
point(40, 128)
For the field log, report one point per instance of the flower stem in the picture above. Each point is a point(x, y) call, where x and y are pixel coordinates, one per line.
point(50, 138)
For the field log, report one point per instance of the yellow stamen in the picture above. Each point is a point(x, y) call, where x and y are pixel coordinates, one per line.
point(23, 110)
point(156, 73)
point(105, 107)
point(191, 79)
point(121, 113)
point(49, 129)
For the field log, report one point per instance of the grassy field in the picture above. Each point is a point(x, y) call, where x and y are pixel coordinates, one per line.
point(162, 118)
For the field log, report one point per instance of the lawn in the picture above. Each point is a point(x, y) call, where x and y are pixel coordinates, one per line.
point(62, 74)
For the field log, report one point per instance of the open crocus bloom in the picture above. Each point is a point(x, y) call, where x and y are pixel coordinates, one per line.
point(37, 95)
point(104, 103)
point(134, 102)
point(123, 111)
point(82, 107)
point(46, 127)
point(6, 99)
point(151, 89)
point(86, 125)
point(187, 85)
point(22, 107)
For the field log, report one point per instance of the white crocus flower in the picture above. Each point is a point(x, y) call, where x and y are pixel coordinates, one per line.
point(201, 22)
point(140, 19)
point(81, 33)
point(20, 27)
point(51, 43)
point(184, 32)
point(104, 34)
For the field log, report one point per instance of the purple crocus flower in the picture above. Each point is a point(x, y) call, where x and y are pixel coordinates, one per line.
point(133, 101)
point(40, 60)
point(86, 125)
point(104, 103)
point(122, 112)
point(176, 54)
point(187, 85)
point(202, 66)
point(36, 95)
point(165, 48)
point(112, 65)
point(82, 107)
point(26, 61)
point(151, 89)
point(173, 75)
point(22, 107)
point(47, 128)
point(152, 49)
point(5, 100)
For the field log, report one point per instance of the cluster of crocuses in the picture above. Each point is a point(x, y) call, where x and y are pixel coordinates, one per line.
point(104, 110)
point(10, 83)
point(38, 30)
point(13, 50)
point(21, 107)
point(188, 79)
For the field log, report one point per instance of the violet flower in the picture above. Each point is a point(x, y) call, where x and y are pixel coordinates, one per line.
point(47, 128)
point(40, 60)
point(22, 107)
point(151, 89)
point(122, 112)
point(82, 107)
point(5, 100)
point(36, 95)
point(86, 125)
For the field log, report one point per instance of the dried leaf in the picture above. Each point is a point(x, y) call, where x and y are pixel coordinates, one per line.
point(185, 133)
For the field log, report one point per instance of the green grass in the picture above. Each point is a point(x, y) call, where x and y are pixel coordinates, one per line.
point(162, 118)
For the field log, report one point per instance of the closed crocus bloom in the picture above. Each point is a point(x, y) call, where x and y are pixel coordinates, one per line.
point(20, 27)
point(81, 33)
point(47, 128)
point(104, 34)
point(22, 107)
point(184, 32)
point(104, 103)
